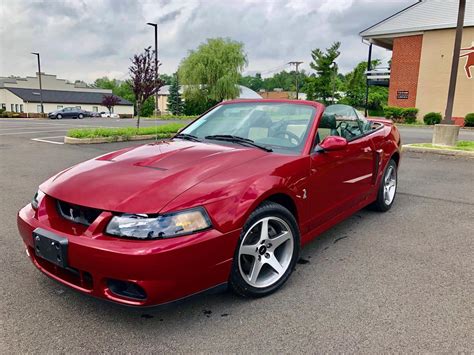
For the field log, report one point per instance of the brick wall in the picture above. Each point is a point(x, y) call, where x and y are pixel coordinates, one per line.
point(404, 70)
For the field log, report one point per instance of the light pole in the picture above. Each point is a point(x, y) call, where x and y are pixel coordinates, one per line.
point(155, 25)
point(296, 64)
point(334, 68)
point(39, 77)
point(455, 63)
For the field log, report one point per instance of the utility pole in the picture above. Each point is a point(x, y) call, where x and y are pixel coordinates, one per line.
point(39, 77)
point(455, 63)
point(296, 64)
point(334, 68)
point(155, 25)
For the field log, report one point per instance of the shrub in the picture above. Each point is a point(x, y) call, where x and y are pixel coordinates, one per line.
point(409, 114)
point(432, 118)
point(469, 120)
point(392, 112)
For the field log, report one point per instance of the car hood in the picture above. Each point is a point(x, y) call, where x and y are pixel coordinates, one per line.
point(146, 178)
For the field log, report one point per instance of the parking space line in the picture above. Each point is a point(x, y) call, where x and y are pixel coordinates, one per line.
point(44, 140)
point(33, 132)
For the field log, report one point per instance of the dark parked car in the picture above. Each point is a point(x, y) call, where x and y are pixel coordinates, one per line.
point(72, 112)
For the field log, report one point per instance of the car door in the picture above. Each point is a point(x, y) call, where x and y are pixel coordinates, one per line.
point(341, 179)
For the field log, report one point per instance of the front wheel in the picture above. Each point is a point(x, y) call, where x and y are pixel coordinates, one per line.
point(267, 251)
point(387, 189)
point(59, 117)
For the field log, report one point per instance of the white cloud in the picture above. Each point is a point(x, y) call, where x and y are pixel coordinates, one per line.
point(85, 39)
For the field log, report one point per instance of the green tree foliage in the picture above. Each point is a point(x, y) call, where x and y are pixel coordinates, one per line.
point(323, 85)
point(283, 80)
point(253, 82)
point(166, 78)
point(212, 71)
point(355, 86)
point(175, 103)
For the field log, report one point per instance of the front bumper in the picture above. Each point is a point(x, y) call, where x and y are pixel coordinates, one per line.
point(167, 270)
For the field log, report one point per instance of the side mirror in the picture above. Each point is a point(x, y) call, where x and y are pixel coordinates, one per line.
point(332, 143)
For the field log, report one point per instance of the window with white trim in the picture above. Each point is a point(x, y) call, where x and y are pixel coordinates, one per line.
point(59, 107)
point(21, 107)
point(38, 108)
point(95, 109)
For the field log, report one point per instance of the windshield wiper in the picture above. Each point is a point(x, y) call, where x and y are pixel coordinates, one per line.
point(187, 136)
point(237, 139)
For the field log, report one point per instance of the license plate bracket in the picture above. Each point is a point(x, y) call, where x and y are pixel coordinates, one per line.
point(50, 247)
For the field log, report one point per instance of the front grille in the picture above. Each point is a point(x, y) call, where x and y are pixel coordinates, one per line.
point(78, 214)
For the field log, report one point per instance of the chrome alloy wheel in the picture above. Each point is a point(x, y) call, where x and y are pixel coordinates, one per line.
point(265, 252)
point(390, 185)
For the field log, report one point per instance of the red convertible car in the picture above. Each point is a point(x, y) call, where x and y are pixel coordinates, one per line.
point(230, 200)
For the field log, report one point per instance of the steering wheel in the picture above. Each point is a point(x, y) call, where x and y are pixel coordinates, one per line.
point(345, 128)
point(290, 136)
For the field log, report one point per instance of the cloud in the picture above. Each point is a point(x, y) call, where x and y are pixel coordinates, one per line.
point(84, 39)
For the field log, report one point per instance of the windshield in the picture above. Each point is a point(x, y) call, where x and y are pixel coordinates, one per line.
point(280, 126)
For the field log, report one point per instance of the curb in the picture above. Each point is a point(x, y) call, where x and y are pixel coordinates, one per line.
point(450, 152)
point(71, 140)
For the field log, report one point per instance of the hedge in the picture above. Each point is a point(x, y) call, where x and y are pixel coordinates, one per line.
point(469, 120)
point(401, 114)
point(432, 118)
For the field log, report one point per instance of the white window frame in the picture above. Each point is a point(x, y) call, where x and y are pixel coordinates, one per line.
point(59, 107)
point(21, 108)
point(38, 108)
point(95, 108)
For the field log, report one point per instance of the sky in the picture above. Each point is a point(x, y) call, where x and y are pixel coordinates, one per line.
point(88, 39)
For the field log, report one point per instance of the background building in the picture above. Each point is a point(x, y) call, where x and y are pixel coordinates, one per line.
point(164, 92)
point(22, 95)
point(421, 38)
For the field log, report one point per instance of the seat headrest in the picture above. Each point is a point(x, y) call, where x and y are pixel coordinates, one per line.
point(260, 119)
point(328, 121)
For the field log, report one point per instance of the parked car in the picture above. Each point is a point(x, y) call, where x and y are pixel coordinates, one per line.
point(94, 114)
point(65, 112)
point(230, 200)
point(109, 115)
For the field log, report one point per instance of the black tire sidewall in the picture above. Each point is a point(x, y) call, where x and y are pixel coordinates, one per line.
point(267, 209)
point(380, 197)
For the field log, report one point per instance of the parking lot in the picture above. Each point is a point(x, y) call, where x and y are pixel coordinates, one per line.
point(395, 282)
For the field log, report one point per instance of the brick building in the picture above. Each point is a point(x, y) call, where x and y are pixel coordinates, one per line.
point(421, 38)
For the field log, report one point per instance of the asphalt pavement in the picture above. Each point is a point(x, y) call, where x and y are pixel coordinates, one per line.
point(401, 281)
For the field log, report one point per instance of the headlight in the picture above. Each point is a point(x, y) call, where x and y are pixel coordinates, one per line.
point(163, 226)
point(39, 195)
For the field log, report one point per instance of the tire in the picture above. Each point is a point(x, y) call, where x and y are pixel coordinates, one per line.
point(387, 190)
point(257, 254)
point(81, 116)
point(59, 117)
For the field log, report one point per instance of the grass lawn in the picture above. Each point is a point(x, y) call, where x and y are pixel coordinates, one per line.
point(461, 145)
point(163, 131)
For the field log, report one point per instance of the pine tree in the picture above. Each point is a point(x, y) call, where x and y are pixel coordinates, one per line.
point(175, 103)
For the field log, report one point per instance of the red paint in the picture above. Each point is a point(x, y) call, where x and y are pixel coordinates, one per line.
point(229, 181)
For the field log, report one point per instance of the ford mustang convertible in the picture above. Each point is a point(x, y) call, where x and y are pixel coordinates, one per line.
point(229, 201)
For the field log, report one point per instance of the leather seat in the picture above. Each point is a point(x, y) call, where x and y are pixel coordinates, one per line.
point(329, 121)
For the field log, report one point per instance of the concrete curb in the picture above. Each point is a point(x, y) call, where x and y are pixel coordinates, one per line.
point(458, 153)
point(71, 140)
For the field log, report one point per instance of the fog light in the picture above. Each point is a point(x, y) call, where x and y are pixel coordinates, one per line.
point(126, 289)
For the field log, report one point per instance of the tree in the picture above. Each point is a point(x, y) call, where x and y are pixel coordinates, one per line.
point(323, 85)
point(356, 84)
point(110, 101)
point(175, 103)
point(166, 79)
point(212, 71)
point(142, 73)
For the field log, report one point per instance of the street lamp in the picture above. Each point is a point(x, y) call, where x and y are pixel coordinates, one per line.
point(334, 68)
point(155, 25)
point(39, 77)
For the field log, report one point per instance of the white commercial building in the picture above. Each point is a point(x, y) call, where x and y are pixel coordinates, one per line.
point(22, 95)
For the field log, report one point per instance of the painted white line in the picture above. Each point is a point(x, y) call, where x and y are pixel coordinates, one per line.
point(34, 132)
point(363, 177)
point(47, 141)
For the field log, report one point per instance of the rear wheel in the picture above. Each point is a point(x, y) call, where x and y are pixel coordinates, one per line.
point(267, 251)
point(387, 189)
point(81, 116)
